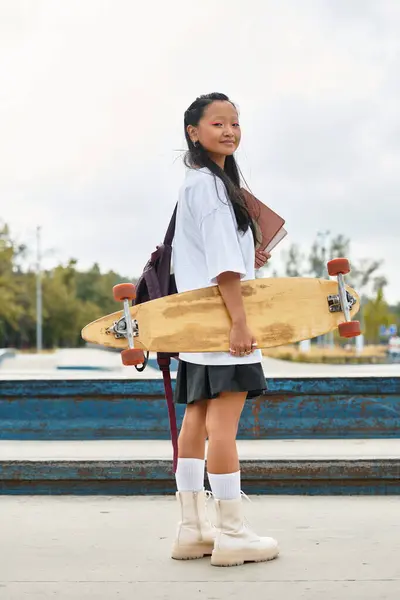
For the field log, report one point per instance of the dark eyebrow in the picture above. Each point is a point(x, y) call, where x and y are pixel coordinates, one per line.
point(221, 117)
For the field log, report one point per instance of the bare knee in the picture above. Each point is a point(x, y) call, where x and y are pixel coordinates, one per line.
point(223, 416)
point(193, 434)
point(220, 430)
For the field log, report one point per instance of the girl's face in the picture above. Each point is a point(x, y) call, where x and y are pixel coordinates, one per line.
point(218, 130)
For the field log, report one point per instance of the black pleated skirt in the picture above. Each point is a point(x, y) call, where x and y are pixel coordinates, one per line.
point(202, 382)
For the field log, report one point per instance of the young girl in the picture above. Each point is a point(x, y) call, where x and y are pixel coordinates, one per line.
point(214, 244)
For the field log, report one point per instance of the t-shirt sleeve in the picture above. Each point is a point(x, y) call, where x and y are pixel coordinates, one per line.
point(220, 236)
point(221, 245)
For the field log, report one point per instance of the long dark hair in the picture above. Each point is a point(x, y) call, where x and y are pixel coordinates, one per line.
point(198, 157)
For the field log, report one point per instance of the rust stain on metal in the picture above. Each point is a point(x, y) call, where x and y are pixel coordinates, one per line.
point(121, 396)
point(255, 410)
point(275, 399)
point(85, 472)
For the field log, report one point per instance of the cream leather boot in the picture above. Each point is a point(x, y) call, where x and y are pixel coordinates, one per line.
point(195, 535)
point(235, 543)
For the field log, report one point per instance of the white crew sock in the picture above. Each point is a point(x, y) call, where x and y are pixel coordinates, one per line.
point(190, 475)
point(225, 486)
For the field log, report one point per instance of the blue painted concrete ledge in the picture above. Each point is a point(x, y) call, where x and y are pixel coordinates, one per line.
point(294, 408)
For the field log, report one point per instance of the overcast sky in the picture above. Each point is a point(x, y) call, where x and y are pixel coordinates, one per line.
point(92, 97)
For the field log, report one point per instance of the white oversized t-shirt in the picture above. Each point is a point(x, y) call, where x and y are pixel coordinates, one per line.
point(206, 244)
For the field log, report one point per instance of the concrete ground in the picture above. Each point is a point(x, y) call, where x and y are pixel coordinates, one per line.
point(105, 548)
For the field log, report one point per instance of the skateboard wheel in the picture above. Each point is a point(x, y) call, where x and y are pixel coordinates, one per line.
point(349, 329)
point(124, 291)
point(132, 356)
point(337, 266)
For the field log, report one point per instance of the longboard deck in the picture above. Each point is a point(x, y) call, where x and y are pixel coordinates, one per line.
point(279, 311)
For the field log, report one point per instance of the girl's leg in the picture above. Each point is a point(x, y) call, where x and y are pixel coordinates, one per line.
point(235, 543)
point(192, 437)
point(222, 421)
point(195, 535)
point(191, 448)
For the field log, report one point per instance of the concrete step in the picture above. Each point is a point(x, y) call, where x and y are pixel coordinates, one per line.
point(145, 467)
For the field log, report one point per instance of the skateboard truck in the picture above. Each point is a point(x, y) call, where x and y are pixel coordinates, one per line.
point(125, 327)
point(120, 328)
point(335, 303)
point(343, 302)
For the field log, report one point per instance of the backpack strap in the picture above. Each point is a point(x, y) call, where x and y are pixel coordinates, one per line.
point(164, 363)
point(152, 283)
point(169, 236)
point(162, 360)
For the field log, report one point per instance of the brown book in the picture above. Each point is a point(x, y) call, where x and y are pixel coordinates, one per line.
point(268, 223)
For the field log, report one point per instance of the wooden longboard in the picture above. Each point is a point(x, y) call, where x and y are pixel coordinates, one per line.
point(279, 311)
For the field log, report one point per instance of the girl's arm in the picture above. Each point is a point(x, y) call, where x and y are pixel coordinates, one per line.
point(229, 286)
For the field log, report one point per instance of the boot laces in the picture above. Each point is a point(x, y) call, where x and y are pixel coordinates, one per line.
point(245, 519)
point(208, 496)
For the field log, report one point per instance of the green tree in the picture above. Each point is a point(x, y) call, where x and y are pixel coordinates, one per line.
point(364, 274)
point(10, 282)
point(323, 249)
point(293, 261)
point(94, 287)
point(71, 298)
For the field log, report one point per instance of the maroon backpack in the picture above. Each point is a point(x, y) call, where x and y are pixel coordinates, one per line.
point(157, 281)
